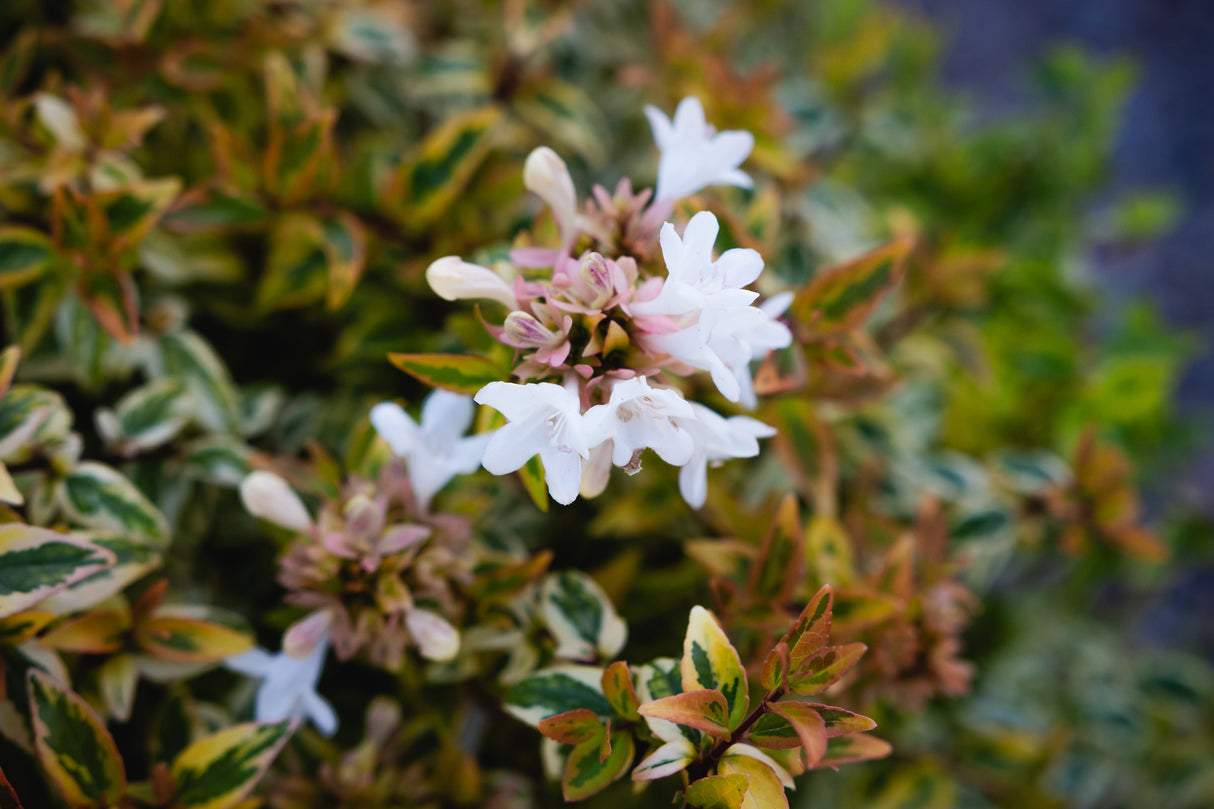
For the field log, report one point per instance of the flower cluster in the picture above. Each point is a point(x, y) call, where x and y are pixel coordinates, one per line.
point(372, 573)
point(600, 333)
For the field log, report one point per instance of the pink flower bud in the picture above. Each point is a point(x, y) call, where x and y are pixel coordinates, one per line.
point(525, 331)
point(435, 638)
point(454, 279)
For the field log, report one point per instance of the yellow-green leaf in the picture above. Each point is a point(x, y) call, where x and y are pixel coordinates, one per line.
point(117, 678)
point(217, 772)
point(190, 640)
point(812, 628)
point(852, 748)
point(297, 268)
point(718, 791)
point(532, 476)
point(828, 549)
point(809, 726)
point(36, 563)
point(458, 373)
point(764, 789)
point(617, 687)
point(8, 367)
point(711, 662)
point(703, 709)
point(819, 671)
point(346, 250)
point(73, 745)
point(588, 770)
point(97, 632)
point(573, 727)
point(24, 255)
point(18, 628)
point(444, 163)
point(841, 298)
point(134, 558)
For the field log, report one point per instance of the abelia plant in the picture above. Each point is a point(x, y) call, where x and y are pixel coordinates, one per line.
point(244, 562)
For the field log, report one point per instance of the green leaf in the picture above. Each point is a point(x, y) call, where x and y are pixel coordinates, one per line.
point(219, 771)
point(812, 629)
point(580, 616)
point(8, 367)
point(96, 496)
point(113, 301)
point(24, 255)
point(704, 709)
point(779, 570)
point(558, 690)
point(146, 417)
point(190, 640)
point(819, 671)
point(809, 726)
point(220, 460)
point(573, 727)
point(458, 373)
point(711, 662)
point(298, 154)
point(211, 209)
point(132, 211)
point(133, 559)
point(297, 269)
point(617, 687)
point(718, 791)
point(73, 745)
point(187, 356)
point(776, 666)
point(36, 563)
point(346, 250)
point(445, 161)
point(764, 790)
point(840, 721)
point(852, 748)
point(25, 412)
point(842, 298)
point(588, 770)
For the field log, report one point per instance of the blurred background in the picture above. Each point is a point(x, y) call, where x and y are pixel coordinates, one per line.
point(1165, 142)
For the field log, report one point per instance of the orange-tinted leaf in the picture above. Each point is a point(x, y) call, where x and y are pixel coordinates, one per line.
point(704, 709)
point(819, 671)
point(812, 628)
point(852, 748)
point(809, 726)
point(618, 688)
point(573, 727)
point(842, 298)
point(97, 632)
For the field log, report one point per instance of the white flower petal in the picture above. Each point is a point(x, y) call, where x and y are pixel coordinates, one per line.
point(563, 473)
point(268, 497)
point(446, 416)
point(396, 427)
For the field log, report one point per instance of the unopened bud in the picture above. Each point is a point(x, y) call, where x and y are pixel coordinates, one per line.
point(454, 279)
point(268, 497)
point(303, 636)
point(546, 175)
point(596, 274)
point(524, 330)
point(435, 638)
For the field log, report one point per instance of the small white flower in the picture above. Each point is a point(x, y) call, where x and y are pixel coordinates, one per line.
point(716, 439)
point(546, 175)
point(288, 686)
point(544, 419)
point(454, 279)
point(694, 154)
point(639, 416)
point(437, 450)
point(268, 497)
point(694, 281)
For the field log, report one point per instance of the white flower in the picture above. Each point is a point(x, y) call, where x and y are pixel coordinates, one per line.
point(268, 497)
point(454, 279)
point(546, 175)
point(639, 416)
point(694, 154)
point(544, 419)
point(288, 686)
point(723, 342)
point(716, 439)
point(437, 450)
point(694, 281)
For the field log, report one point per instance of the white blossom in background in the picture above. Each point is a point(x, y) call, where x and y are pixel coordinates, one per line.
point(268, 497)
point(288, 686)
point(437, 449)
point(694, 281)
point(638, 416)
point(545, 420)
point(716, 439)
point(693, 154)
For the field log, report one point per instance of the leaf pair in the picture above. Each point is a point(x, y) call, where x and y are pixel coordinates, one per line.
point(79, 757)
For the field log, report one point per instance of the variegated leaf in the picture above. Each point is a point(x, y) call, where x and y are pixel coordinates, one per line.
point(97, 496)
point(590, 768)
point(73, 745)
point(820, 671)
point(764, 789)
point(219, 771)
point(711, 662)
point(718, 791)
point(190, 640)
point(558, 690)
point(703, 709)
point(459, 373)
point(581, 617)
point(36, 563)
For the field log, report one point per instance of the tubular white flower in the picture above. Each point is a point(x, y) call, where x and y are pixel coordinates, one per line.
point(288, 686)
point(693, 154)
point(454, 279)
point(268, 497)
point(546, 175)
point(639, 416)
point(694, 281)
point(716, 439)
point(544, 419)
point(437, 450)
